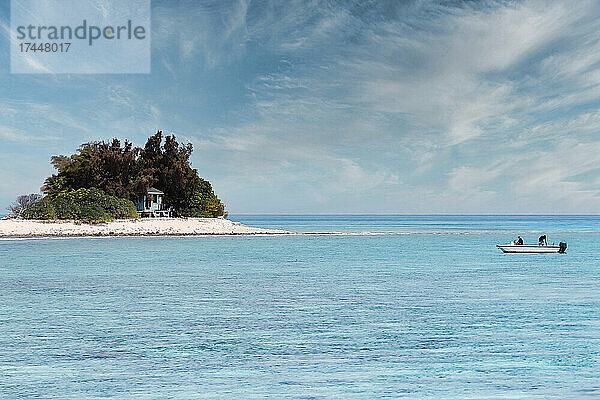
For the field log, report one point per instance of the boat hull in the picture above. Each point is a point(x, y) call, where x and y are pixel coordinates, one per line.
point(508, 248)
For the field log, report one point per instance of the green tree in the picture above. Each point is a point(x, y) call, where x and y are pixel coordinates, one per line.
point(107, 166)
point(170, 167)
point(125, 171)
point(204, 202)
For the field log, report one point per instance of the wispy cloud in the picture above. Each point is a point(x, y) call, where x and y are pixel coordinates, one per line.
point(477, 83)
point(215, 31)
point(378, 106)
point(18, 136)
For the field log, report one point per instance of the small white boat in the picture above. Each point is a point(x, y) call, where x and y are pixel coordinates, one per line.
point(532, 248)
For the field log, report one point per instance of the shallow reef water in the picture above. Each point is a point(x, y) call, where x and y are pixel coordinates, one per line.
point(417, 308)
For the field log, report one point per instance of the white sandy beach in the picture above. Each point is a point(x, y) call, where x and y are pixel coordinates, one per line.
point(138, 227)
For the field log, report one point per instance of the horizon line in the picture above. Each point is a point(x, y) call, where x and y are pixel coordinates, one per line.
point(420, 214)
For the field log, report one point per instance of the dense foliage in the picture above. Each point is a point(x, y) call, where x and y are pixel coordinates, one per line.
point(90, 205)
point(204, 203)
point(127, 172)
point(107, 166)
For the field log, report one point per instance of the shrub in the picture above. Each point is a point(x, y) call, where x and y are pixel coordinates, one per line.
point(65, 209)
point(94, 213)
point(125, 209)
point(41, 210)
point(89, 205)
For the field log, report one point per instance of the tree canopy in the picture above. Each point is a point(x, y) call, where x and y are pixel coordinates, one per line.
point(125, 171)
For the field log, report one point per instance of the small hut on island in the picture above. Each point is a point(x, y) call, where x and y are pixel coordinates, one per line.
point(152, 205)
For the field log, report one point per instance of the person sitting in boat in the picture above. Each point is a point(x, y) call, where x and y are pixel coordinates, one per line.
point(519, 241)
point(542, 241)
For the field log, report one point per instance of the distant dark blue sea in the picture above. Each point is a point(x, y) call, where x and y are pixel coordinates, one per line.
point(415, 307)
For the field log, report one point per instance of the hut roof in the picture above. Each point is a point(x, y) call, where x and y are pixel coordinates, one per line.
point(154, 191)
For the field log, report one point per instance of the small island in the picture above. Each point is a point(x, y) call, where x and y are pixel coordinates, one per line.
point(114, 189)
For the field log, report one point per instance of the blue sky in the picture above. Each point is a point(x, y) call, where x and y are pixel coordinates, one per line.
point(325, 107)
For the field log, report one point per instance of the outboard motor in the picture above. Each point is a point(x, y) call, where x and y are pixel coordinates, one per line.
point(562, 247)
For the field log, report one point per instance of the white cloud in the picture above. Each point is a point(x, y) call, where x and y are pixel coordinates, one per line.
point(451, 87)
point(12, 135)
point(462, 178)
point(215, 31)
point(18, 136)
point(480, 106)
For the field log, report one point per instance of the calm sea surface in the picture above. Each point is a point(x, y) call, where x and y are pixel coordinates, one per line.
point(391, 307)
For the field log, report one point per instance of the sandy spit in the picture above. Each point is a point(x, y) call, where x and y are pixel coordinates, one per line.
point(136, 227)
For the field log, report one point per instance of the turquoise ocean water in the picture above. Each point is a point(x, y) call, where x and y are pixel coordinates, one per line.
point(389, 307)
